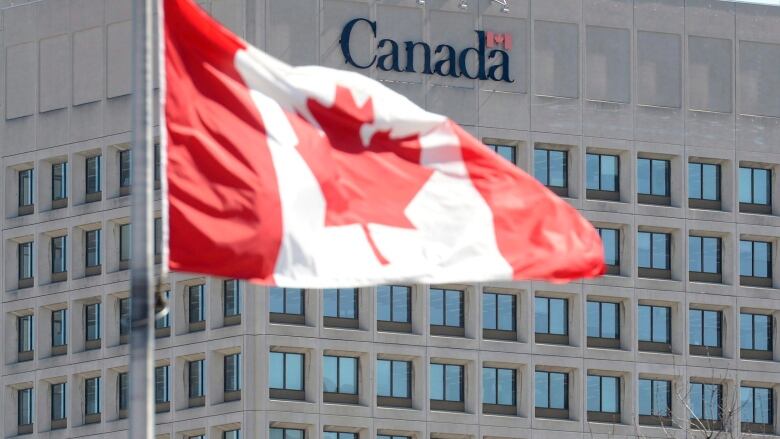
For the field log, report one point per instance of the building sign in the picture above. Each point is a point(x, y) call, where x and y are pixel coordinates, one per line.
point(485, 62)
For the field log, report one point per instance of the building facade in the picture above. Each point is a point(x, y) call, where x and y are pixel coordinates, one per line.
point(658, 119)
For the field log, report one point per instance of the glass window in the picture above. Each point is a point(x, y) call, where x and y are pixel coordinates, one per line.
point(551, 167)
point(704, 328)
point(287, 300)
point(498, 311)
point(498, 386)
point(92, 238)
point(125, 247)
point(124, 316)
point(446, 307)
point(92, 396)
point(58, 254)
point(704, 181)
point(551, 390)
point(92, 318)
point(161, 390)
point(157, 162)
point(286, 433)
point(25, 409)
point(654, 250)
point(610, 238)
point(755, 186)
point(655, 398)
point(394, 303)
point(603, 394)
point(704, 254)
point(551, 316)
point(756, 405)
point(25, 250)
point(231, 434)
point(196, 377)
point(505, 151)
point(340, 302)
point(59, 181)
point(755, 332)
point(338, 435)
point(755, 258)
point(157, 236)
point(25, 328)
point(602, 171)
point(197, 305)
point(394, 378)
point(655, 324)
point(603, 319)
point(164, 321)
point(705, 401)
point(93, 174)
point(124, 390)
point(58, 403)
point(232, 369)
point(286, 371)
point(653, 177)
point(125, 168)
point(59, 327)
point(340, 374)
point(25, 187)
point(446, 382)
point(231, 298)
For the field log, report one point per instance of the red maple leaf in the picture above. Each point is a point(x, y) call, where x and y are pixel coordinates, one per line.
point(362, 184)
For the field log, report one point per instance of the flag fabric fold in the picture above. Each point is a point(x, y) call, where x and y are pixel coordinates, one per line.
point(316, 177)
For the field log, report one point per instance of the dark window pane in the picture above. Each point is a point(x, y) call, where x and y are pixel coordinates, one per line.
point(695, 180)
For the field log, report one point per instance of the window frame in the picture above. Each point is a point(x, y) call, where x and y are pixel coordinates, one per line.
point(549, 389)
point(284, 370)
point(497, 147)
point(513, 311)
point(96, 334)
point(94, 237)
point(719, 256)
point(235, 384)
point(123, 381)
point(25, 407)
point(565, 315)
point(753, 259)
point(752, 170)
point(235, 309)
point(63, 323)
point(653, 400)
point(125, 244)
point(166, 396)
point(601, 379)
point(770, 331)
point(652, 324)
point(285, 292)
point(59, 172)
point(703, 328)
point(616, 249)
point(701, 403)
point(26, 181)
point(770, 411)
point(392, 295)
point(338, 383)
point(125, 172)
point(199, 390)
point(702, 184)
point(601, 175)
point(445, 366)
point(92, 163)
point(667, 176)
point(196, 309)
point(495, 370)
point(25, 325)
point(391, 384)
point(92, 407)
point(565, 166)
point(26, 260)
point(601, 304)
point(444, 308)
point(668, 250)
point(338, 296)
point(58, 397)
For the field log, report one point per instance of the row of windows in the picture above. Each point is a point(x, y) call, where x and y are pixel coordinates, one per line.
point(446, 390)
point(447, 310)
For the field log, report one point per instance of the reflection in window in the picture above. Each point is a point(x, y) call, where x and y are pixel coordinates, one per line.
point(231, 299)
point(505, 151)
point(550, 167)
point(25, 333)
point(92, 396)
point(498, 311)
point(603, 394)
point(285, 371)
point(610, 238)
point(340, 303)
point(551, 390)
point(704, 328)
point(654, 250)
point(58, 401)
point(58, 327)
point(92, 165)
point(755, 186)
point(286, 433)
point(394, 303)
point(655, 324)
point(25, 254)
point(551, 316)
point(498, 386)
point(25, 187)
point(655, 398)
point(287, 300)
point(340, 374)
point(446, 382)
point(446, 307)
point(755, 405)
point(603, 319)
point(196, 302)
point(125, 168)
point(394, 378)
point(25, 406)
point(755, 332)
point(197, 378)
point(704, 181)
point(704, 254)
point(59, 181)
point(125, 246)
point(705, 401)
point(92, 317)
point(755, 258)
point(602, 172)
point(92, 239)
point(653, 177)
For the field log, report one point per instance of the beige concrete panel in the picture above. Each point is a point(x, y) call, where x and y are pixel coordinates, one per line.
point(55, 80)
point(88, 66)
point(119, 49)
point(21, 80)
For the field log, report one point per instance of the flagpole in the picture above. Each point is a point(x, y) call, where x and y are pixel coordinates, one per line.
point(141, 262)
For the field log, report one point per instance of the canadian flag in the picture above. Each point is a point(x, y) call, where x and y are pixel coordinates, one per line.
point(315, 177)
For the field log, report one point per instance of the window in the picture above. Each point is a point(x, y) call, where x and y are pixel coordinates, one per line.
point(551, 317)
point(654, 251)
point(551, 390)
point(287, 301)
point(286, 371)
point(505, 151)
point(92, 318)
point(341, 303)
point(25, 328)
point(232, 369)
point(705, 331)
point(158, 237)
point(197, 380)
point(25, 409)
point(704, 258)
point(394, 379)
point(756, 405)
point(755, 186)
point(499, 314)
point(25, 250)
point(157, 163)
point(58, 255)
point(653, 177)
point(197, 305)
point(446, 381)
point(161, 391)
point(755, 259)
point(755, 332)
point(58, 402)
point(92, 239)
point(164, 321)
point(124, 317)
point(603, 323)
point(125, 246)
point(231, 298)
point(551, 167)
point(705, 401)
point(610, 238)
point(704, 184)
point(125, 169)
point(446, 311)
point(59, 181)
point(499, 386)
point(340, 375)
point(124, 390)
point(93, 176)
point(26, 188)
point(655, 399)
point(338, 435)
point(92, 396)
point(654, 325)
point(286, 433)
point(385, 436)
point(394, 308)
point(231, 434)
point(603, 394)
point(602, 172)
point(59, 328)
